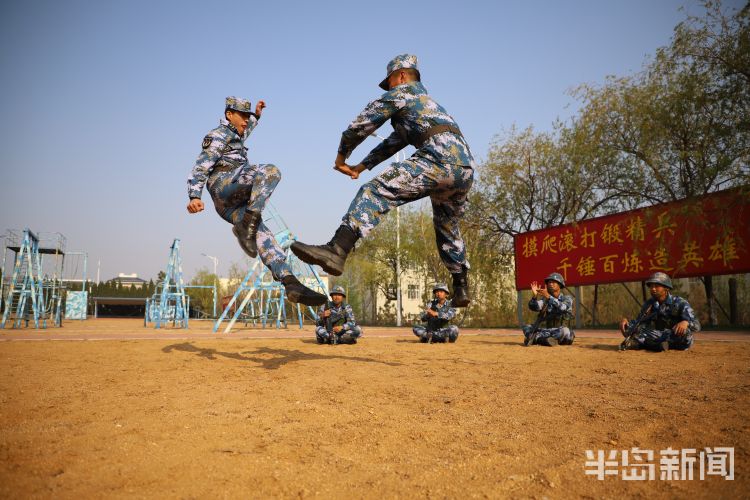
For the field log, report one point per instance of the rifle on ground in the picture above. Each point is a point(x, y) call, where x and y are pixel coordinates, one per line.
point(429, 332)
point(333, 320)
point(633, 330)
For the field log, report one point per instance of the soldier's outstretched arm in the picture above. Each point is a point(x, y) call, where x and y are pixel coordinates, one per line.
point(368, 121)
point(252, 122)
point(211, 150)
point(340, 165)
point(389, 147)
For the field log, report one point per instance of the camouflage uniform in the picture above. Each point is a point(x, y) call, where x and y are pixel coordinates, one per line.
point(237, 186)
point(341, 315)
point(438, 326)
point(558, 310)
point(441, 168)
point(659, 320)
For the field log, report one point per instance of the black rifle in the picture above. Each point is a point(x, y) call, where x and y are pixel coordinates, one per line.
point(333, 320)
point(633, 330)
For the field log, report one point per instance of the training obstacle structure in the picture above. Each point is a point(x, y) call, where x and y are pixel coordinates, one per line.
point(33, 288)
point(169, 302)
point(260, 299)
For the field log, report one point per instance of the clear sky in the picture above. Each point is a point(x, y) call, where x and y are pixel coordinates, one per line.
point(104, 104)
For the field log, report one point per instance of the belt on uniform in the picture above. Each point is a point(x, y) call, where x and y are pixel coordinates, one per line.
point(434, 130)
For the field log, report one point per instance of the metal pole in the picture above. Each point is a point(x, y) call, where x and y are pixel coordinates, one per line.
point(398, 267)
point(579, 304)
point(216, 277)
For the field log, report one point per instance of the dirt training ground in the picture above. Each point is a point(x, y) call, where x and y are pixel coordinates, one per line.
point(190, 414)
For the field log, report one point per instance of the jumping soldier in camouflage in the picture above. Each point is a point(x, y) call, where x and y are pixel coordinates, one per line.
point(336, 323)
point(665, 322)
point(240, 190)
point(442, 168)
point(438, 313)
point(554, 308)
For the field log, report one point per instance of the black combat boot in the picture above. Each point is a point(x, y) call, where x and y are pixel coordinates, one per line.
point(461, 289)
point(297, 292)
point(246, 230)
point(331, 256)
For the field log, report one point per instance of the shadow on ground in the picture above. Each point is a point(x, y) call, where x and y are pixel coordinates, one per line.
point(280, 356)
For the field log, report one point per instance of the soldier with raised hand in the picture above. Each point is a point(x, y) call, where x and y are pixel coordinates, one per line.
point(554, 308)
point(336, 323)
point(240, 190)
point(442, 168)
point(437, 314)
point(665, 321)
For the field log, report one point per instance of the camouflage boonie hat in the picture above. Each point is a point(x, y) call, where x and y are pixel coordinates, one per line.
point(238, 104)
point(338, 290)
point(556, 277)
point(440, 286)
point(402, 61)
point(660, 278)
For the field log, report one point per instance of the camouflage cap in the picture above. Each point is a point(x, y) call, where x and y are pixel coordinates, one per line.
point(660, 278)
point(338, 290)
point(556, 277)
point(440, 286)
point(402, 61)
point(238, 104)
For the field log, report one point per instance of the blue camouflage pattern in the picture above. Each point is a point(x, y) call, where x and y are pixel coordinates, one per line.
point(411, 111)
point(441, 168)
point(402, 61)
point(341, 315)
point(236, 186)
point(222, 148)
point(238, 104)
point(559, 309)
point(438, 327)
point(657, 327)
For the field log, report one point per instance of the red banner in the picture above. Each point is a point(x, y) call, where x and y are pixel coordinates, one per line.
point(702, 236)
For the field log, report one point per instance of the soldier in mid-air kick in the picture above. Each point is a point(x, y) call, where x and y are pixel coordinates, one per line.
point(442, 168)
point(240, 191)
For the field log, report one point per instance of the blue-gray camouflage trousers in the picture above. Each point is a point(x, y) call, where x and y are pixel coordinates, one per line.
point(651, 339)
point(447, 334)
point(324, 337)
point(410, 180)
point(563, 334)
point(248, 188)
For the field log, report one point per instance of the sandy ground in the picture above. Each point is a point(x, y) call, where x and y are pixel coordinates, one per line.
point(266, 413)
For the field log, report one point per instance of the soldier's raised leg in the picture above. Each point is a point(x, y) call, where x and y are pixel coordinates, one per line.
point(274, 259)
point(263, 179)
point(400, 183)
point(447, 209)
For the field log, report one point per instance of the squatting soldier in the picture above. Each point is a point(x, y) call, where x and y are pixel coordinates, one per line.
point(438, 313)
point(554, 308)
point(441, 168)
point(240, 190)
point(336, 324)
point(665, 322)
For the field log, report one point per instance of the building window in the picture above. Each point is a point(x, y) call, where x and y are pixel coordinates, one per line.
point(413, 292)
